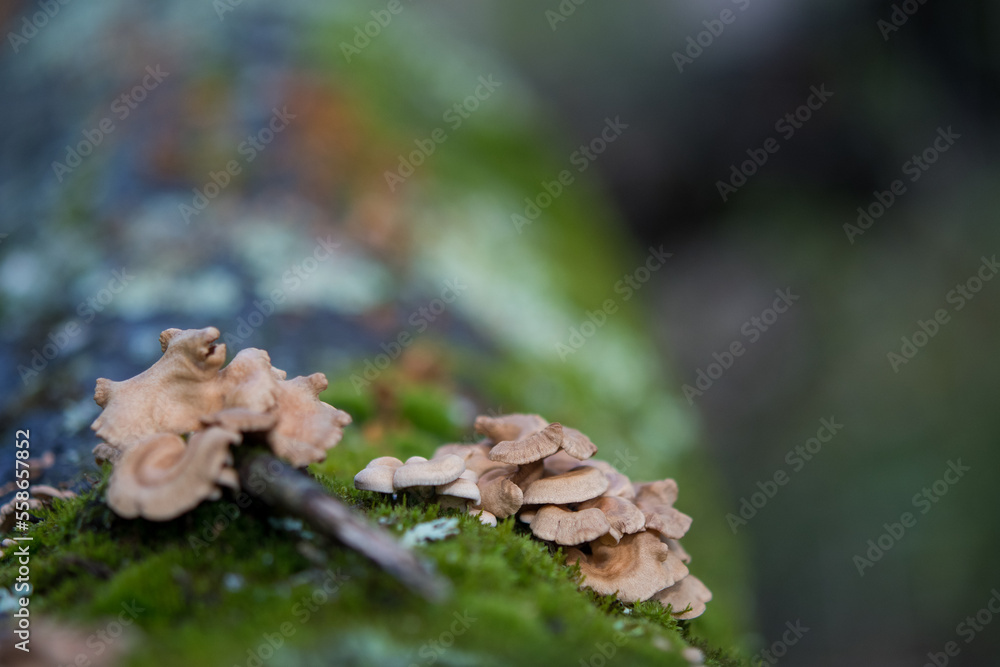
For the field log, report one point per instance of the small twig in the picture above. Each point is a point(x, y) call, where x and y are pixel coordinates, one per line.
point(292, 491)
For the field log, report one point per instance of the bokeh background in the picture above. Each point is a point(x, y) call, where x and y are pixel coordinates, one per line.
point(355, 255)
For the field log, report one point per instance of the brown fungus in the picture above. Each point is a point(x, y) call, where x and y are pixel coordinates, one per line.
point(162, 477)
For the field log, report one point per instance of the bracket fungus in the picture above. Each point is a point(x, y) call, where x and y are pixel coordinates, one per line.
point(635, 569)
point(625, 535)
point(686, 598)
point(170, 396)
point(161, 477)
point(189, 391)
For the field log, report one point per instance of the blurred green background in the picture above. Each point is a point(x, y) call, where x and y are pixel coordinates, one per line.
point(356, 254)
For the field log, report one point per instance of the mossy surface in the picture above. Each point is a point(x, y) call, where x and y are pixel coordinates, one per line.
point(222, 584)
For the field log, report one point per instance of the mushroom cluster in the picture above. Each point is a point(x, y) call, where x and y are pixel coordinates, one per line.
point(168, 430)
point(624, 536)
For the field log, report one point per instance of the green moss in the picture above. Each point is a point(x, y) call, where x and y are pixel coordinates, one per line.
point(216, 583)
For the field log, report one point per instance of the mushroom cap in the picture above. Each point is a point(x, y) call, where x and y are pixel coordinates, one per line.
point(500, 496)
point(465, 451)
point(435, 472)
point(390, 461)
point(656, 500)
point(509, 427)
point(306, 427)
point(555, 524)
point(675, 546)
point(463, 487)
point(534, 447)
point(485, 518)
point(577, 445)
point(527, 474)
point(686, 598)
point(635, 569)
point(619, 485)
point(623, 516)
point(161, 477)
point(249, 381)
point(168, 397)
point(575, 486)
point(527, 513)
point(561, 462)
point(375, 478)
point(480, 463)
point(241, 420)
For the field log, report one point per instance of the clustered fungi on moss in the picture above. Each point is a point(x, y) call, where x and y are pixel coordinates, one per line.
point(625, 536)
point(158, 474)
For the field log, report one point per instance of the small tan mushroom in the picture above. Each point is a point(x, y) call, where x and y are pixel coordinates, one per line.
point(170, 396)
point(464, 487)
point(635, 569)
point(656, 500)
point(527, 474)
point(686, 598)
point(527, 513)
point(555, 524)
point(377, 475)
point(575, 486)
point(465, 451)
point(161, 477)
point(306, 427)
point(509, 427)
point(624, 517)
point(577, 445)
point(534, 447)
point(480, 463)
point(435, 472)
point(560, 462)
point(500, 496)
point(485, 518)
point(675, 546)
